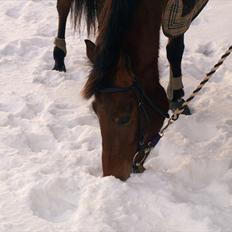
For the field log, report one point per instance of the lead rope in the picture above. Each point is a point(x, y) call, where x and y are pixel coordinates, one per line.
point(180, 110)
point(138, 166)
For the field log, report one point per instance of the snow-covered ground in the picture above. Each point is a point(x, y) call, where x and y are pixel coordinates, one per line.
point(50, 144)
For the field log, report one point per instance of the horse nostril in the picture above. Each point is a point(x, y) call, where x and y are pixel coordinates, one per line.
point(123, 120)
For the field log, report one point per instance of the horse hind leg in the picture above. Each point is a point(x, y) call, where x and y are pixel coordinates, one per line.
point(60, 51)
point(175, 90)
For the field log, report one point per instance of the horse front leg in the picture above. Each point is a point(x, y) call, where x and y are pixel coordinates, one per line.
point(175, 90)
point(60, 51)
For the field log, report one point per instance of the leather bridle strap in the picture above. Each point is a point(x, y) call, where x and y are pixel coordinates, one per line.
point(141, 99)
point(139, 93)
point(148, 100)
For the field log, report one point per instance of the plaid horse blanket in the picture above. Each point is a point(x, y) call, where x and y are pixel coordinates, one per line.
point(175, 20)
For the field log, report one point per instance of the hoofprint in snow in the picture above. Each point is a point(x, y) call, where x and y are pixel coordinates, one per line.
point(50, 144)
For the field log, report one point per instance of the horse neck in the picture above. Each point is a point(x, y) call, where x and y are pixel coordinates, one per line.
point(143, 43)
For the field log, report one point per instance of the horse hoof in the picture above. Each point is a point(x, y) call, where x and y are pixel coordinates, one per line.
point(138, 169)
point(174, 105)
point(59, 68)
point(59, 56)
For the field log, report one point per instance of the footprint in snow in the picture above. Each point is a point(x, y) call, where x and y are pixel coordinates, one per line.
point(70, 123)
point(210, 131)
point(25, 48)
point(207, 49)
point(73, 115)
point(35, 142)
point(56, 201)
point(48, 78)
point(26, 107)
point(15, 12)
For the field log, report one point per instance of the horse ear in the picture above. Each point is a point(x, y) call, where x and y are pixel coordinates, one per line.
point(90, 50)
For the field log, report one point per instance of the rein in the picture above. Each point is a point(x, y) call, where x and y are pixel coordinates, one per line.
point(208, 76)
point(180, 110)
point(150, 146)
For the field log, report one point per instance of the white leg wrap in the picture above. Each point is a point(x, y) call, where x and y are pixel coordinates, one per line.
point(175, 83)
point(61, 44)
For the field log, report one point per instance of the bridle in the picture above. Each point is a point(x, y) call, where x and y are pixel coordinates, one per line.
point(143, 148)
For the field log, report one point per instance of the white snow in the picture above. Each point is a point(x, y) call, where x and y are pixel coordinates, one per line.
point(50, 144)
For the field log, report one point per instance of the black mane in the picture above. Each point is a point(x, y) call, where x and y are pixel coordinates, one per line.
point(86, 8)
point(109, 43)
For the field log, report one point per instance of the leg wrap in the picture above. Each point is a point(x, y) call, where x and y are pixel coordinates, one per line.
point(61, 44)
point(175, 83)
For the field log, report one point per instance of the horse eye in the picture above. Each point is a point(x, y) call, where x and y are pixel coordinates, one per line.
point(123, 120)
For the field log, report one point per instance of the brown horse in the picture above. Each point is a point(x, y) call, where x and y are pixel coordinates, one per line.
point(129, 101)
point(175, 47)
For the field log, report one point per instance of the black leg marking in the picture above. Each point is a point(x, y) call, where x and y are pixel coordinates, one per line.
point(59, 56)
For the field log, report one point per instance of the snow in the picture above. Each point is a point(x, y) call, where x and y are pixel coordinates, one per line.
point(50, 144)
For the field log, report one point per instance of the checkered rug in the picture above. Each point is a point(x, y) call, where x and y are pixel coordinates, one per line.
point(174, 21)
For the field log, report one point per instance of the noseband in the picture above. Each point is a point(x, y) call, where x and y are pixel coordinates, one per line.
point(143, 148)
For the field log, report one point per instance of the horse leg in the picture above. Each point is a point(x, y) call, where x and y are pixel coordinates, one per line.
point(175, 90)
point(59, 52)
